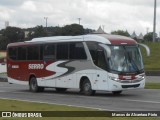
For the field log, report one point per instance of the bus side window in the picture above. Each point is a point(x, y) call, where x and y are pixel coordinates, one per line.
point(41, 52)
point(22, 53)
point(97, 54)
point(93, 51)
point(101, 61)
point(33, 53)
point(76, 51)
point(12, 53)
point(49, 53)
point(62, 51)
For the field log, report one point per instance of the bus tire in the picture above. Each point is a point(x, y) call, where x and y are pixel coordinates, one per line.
point(116, 92)
point(61, 89)
point(33, 86)
point(87, 88)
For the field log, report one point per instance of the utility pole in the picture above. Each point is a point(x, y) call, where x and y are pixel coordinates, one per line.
point(154, 21)
point(79, 19)
point(46, 18)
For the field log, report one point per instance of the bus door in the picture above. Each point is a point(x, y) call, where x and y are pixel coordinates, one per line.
point(102, 74)
point(99, 59)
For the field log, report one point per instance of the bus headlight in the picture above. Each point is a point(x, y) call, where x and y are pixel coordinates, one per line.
point(114, 78)
point(142, 78)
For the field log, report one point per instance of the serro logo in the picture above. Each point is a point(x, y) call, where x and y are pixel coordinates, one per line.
point(35, 66)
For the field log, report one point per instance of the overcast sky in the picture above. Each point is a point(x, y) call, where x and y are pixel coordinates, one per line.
point(131, 15)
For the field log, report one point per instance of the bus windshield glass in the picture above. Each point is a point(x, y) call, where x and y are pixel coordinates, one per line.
point(125, 59)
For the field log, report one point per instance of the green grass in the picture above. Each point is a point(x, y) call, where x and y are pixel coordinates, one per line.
point(152, 63)
point(13, 105)
point(152, 85)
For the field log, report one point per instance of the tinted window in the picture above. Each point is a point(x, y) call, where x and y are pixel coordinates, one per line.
point(50, 51)
point(77, 51)
point(12, 53)
point(33, 53)
point(62, 51)
point(93, 51)
point(21, 53)
point(97, 54)
point(41, 52)
point(101, 59)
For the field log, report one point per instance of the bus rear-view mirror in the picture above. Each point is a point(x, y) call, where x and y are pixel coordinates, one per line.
point(146, 48)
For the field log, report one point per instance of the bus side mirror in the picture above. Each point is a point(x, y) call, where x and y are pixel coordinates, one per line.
point(147, 48)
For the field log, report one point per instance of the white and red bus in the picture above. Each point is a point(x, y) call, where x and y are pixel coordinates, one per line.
point(88, 62)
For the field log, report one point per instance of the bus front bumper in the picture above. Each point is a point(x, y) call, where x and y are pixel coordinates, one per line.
point(119, 86)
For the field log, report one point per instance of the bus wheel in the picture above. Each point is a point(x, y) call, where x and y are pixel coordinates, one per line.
point(116, 92)
point(87, 88)
point(61, 89)
point(33, 86)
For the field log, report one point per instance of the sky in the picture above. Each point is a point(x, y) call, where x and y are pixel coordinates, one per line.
point(130, 15)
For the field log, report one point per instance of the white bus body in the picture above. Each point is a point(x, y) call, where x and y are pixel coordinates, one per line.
point(88, 62)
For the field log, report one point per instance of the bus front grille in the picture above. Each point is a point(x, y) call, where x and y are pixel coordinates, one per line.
point(131, 86)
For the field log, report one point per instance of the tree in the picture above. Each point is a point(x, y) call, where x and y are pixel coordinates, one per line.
point(149, 36)
point(40, 31)
point(73, 29)
point(14, 34)
point(54, 31)
point(88, 31)
point(30, 35)
point(10, 35)
point(121, 32)
point(3, 42)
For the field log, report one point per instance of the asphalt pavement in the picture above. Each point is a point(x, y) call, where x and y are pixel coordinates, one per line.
point(152, 78)
point(130, 100)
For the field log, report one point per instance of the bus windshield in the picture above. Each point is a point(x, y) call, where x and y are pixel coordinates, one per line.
point(125, 59)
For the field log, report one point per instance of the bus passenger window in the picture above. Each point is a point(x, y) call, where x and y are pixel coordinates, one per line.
point(12, 53)
point(62, 51)
point(33, 53)
point(76, 51)
point(49, 53)
point(41, 52)
point(22, 53)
